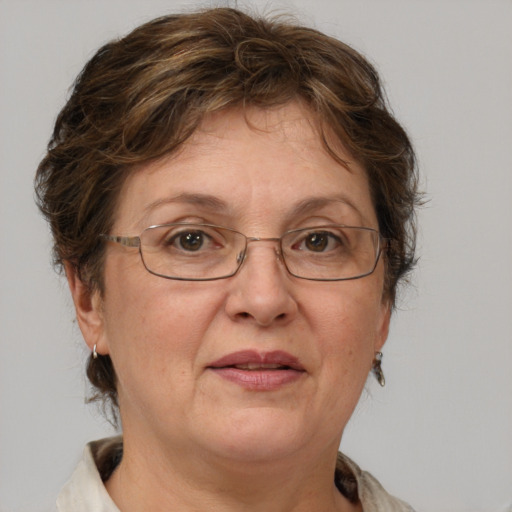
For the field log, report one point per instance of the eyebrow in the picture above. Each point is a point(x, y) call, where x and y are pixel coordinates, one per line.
point(204, 200)
point(311, 204)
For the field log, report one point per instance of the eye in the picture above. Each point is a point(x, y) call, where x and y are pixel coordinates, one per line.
point(190, 240)
point(318, 242)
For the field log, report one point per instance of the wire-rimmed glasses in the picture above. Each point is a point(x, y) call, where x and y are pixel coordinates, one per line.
point(205, 252)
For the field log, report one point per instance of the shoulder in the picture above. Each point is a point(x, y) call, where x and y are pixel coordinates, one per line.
point(85, 491)
point(358, 483)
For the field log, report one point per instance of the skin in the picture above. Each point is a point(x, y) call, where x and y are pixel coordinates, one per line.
point(193, 439)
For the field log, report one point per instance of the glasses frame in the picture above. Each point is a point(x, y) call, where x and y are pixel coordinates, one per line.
point(136, 241)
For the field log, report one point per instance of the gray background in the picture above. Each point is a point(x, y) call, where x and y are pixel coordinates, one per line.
point(439, 434)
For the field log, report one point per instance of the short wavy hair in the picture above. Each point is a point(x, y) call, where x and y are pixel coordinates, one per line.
point(142, 96)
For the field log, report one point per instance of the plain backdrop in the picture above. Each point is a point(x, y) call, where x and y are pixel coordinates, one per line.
point(439, 435)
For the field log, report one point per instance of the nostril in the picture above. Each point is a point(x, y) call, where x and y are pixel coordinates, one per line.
point(244, 315)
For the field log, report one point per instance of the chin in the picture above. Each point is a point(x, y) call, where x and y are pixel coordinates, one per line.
point(259, 435)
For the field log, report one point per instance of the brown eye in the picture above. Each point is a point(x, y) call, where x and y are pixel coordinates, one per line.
point(321, 241)
point(192, 241)
point(317, 242)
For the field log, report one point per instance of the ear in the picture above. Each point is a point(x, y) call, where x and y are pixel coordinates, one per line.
point(89, 314)
point(383, 325)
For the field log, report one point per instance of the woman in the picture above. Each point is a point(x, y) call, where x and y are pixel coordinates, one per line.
point(233, 206)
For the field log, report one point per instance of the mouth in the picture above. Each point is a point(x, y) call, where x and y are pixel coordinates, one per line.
point(259, 366)
point(252, 360)
point(259, 371)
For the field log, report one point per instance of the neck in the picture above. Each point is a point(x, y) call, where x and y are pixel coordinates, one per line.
point(180, 480)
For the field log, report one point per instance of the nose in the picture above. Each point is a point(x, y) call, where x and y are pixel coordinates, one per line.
point(261, 290)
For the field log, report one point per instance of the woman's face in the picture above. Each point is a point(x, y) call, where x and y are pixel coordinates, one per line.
point(171, 341)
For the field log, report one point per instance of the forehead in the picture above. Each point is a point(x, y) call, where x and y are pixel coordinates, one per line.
point(251, 161)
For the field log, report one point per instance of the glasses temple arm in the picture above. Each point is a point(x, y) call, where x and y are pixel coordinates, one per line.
point(127, 241)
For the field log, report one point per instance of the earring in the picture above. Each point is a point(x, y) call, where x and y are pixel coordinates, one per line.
point(94, 353)
point(377, 369)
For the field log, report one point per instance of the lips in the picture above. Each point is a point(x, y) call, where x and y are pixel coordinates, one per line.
point(260, 366)
point(253, 360)
point(262, 371)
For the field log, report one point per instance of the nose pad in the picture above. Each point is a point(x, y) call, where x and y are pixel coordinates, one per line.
point(279, 254)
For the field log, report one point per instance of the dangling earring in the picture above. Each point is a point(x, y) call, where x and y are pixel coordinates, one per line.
point(94, 353)
point(377, 369)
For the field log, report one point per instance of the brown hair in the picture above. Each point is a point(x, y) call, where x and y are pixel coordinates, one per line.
point(142, 96)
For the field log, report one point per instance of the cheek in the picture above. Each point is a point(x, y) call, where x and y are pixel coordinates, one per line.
point(344, 334)
point(153, 324)
point(348, 316)
point(155, 336)
point(347, 322)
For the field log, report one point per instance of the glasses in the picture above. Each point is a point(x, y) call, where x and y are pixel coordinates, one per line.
point(205, 252)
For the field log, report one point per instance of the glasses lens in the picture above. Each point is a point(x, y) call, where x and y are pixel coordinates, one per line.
point(331, 252)
point(191, 251)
